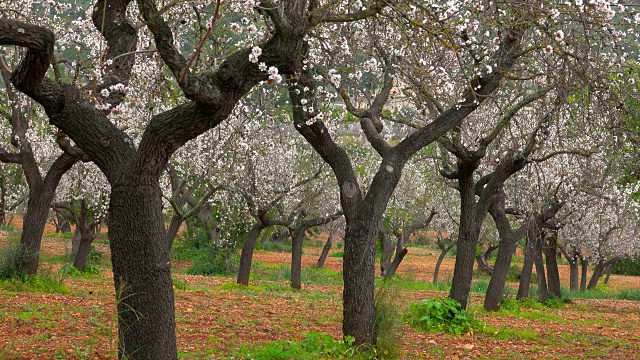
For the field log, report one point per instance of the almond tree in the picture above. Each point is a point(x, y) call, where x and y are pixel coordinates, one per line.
point(31, 153)
point(140, 257)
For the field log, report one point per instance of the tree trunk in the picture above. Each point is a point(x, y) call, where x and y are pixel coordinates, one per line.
point(436, 272)
point(246, 255)
point(325, 251)
point(396, 262)
point(141, 269)
point(483, 264)
point(33, 225)
point(573, 275)
point(296, 257)
point(495, 290)
point(86, 238)
point(584, 265)
point(387, 250)
point(551, 256)
point(608, 272)
point(543, 293)
point(467, 241)
point(87, 234)
point(75, 242)
point(359, 275)
point(595, 277)
point(172, 230)
point(527, 269)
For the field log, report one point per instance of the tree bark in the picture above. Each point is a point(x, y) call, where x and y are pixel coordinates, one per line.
point(41, 194)
point(387, 250)
point(325, 251)
point(600, 268)
point(550, 249)
point(444, 250)
point(483, 259)
point(296, 257)
point(608, 272)
point(527, 269)
point(467, 239)
point(506, 248)
point(246, 255)
point(85, 233)
point(359, 275)
point(543, 293)
point(584, 266)
point(141, 270)
point(436, 271)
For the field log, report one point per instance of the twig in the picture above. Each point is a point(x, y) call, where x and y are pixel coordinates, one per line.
point(199, 49)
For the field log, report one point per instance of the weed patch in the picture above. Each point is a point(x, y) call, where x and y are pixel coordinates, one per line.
point(313, 346)
point(440, 314)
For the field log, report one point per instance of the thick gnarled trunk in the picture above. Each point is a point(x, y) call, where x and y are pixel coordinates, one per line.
point(141, 270)
point(359, 275)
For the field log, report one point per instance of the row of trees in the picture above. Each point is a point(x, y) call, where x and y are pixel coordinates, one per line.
point(427, 113)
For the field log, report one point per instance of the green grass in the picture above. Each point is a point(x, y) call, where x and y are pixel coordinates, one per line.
point(401, 282)
point(40, 283)
point(313, 346)
point(507, 333)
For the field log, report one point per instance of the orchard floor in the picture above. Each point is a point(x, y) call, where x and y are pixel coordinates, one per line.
point(214, 317)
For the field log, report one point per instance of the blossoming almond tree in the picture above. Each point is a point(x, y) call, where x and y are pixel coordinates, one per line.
point(140, 257)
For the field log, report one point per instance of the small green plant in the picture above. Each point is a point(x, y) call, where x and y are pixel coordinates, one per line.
point(480, 286)
point(628, 294)
point(517, 306)
point(440, 314)
point(276, 246)
point(12, 257)
point(514, 272)
point(179, 284)
point(314, 346)
point(388, 328)
point(214, 261)
point(40, 283)
point(337, 254)
point(69, 270)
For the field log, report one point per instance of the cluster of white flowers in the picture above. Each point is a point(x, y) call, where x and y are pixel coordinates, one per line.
point(256, 51)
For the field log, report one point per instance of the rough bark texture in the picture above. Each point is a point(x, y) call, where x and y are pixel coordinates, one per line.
point(506, 248)
point(599, 270)
point(141, 270)
point(467, 239)
point(359, 264)
point(325, 251)
point(387, 250)
point(444, 250)
point(139, 250)
point(543, 293)
point(246, 255)
point(296, 257)
point(584, 267)
point(41, 194)
point(550, 249)
point(527, 269)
